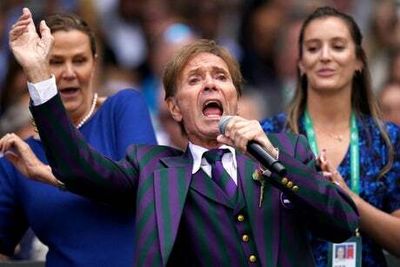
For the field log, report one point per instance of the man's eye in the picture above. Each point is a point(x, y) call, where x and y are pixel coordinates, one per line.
point(193, 80)
point(221, 77)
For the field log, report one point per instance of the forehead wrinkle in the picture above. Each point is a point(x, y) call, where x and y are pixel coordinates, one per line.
point(201, 69)
point(219, 69)
point(195, 71)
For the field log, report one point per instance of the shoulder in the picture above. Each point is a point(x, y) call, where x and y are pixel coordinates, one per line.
point(368, 125)
point(289, 142)
point(127, 101)
point(274, 124)
point(125, 95)
point(393, 131)
point(154, 151)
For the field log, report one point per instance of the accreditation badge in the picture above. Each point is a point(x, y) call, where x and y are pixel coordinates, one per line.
point(346, 254)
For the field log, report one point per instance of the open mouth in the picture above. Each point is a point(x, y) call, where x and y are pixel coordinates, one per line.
point(69, 91)
point(212, 108)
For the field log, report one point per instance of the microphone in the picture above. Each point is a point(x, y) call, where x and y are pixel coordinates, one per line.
point(259, 153)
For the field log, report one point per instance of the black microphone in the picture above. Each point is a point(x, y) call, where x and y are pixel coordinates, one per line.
point(259, 153)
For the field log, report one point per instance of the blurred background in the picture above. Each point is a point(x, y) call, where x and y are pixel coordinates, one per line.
point(137, 37)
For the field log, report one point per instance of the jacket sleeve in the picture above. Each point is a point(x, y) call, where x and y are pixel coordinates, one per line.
point(326, 209)
point(83, 170)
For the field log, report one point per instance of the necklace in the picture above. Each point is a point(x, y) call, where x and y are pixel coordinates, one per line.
point(90, 113)
point(337, 137)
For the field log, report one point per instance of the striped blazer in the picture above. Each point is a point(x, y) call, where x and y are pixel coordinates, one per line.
point(155, 181)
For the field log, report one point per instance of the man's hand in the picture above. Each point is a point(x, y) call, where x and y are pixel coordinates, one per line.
point(31, 50)
point(239, 131)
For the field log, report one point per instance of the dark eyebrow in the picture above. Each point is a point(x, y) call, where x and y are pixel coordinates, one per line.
point(220, 70)
point(215, 69)
point(335, 39)
point(56, 56)
point(340, 39)
point(192, 72)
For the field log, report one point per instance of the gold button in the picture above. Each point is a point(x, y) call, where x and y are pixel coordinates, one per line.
point(284, 181)
point(289, 184)
point(252, 258)
point(240, 218)
point(295, 188)
point(245, 238)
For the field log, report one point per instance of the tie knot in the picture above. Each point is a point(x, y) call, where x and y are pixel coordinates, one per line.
point(214, 155)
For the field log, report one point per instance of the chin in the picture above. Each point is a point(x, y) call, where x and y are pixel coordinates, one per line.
point(210, 130)
point(327, 87)
point(70, 107)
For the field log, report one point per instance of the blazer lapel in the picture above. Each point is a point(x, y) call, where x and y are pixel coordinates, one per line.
point(205, 186)
point(264, 220)
point(171, 185)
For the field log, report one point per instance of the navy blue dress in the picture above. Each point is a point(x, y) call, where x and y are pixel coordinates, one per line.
point(383, 193)
point(79, 232)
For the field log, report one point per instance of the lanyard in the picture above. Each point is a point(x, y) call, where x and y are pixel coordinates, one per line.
point(354, 149)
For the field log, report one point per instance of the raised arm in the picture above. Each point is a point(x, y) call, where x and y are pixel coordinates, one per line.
point(79, 167)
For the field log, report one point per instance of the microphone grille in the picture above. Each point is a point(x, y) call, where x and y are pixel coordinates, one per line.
point(223, 122)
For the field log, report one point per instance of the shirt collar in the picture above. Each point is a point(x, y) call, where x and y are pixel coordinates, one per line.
point(197, 155)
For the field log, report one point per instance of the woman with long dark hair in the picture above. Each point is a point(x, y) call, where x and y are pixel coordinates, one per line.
point(335, 108)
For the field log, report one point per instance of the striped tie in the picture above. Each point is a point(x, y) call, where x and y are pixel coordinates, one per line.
point(218, 172)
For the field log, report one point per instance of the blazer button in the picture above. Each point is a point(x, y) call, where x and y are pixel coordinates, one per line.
point(245, 238)
point(289, 184)
point(252, 258)
point(284, 181)
point(240, 218)
point(295, 188)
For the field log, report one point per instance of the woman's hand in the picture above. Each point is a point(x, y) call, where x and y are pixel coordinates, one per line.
point(31, 50)
point(22, 157)
point(329, 172)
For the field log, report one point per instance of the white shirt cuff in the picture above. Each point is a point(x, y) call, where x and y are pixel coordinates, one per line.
point(43, 91)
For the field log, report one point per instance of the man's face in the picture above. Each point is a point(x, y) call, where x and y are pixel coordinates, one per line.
point(205, 92)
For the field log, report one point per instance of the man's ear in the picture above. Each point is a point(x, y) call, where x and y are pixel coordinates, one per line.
point(174, 109)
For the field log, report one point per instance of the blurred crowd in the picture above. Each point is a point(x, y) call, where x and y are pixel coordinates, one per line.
point(138, 37)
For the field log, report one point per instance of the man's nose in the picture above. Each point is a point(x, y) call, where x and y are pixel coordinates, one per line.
point(209, 83)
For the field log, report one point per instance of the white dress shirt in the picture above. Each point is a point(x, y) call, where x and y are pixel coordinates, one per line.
point(42, 91)
point(228, 160)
